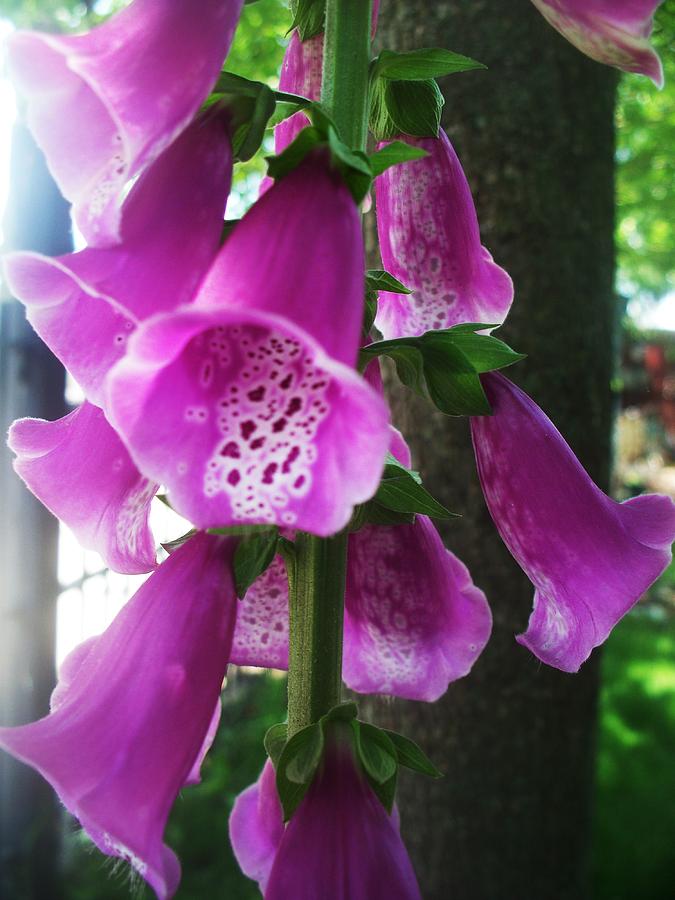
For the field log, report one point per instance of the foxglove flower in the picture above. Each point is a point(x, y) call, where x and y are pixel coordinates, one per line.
point(253, 386)
point(103, 105)
point(589, 558)
point(429, 240)
point(339, 845)
point(78, 467)
point(101, 294)
point(257, 826)
point(133, 713)
point(301, 73)
point(615, 32)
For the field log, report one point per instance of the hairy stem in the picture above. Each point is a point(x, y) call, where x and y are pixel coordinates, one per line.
point(317, 566)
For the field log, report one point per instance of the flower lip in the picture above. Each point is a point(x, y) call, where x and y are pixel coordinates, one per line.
point(163, 359)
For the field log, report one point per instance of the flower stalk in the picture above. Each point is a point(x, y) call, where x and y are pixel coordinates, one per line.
point(317, 567)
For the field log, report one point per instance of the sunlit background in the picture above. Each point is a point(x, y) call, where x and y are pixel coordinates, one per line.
point(638, 698)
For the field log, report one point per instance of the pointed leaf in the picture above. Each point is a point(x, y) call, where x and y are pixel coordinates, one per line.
point(253, 555)
point(391, 155)
point(275, 741)
point(379, 280)
point(418, 65)
point(410, 755)
point(376, 751)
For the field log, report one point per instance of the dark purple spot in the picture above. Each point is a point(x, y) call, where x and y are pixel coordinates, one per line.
point(247, 428)
point(256, 394)
point(234, 477)
point(299, 481)
point(257, 443)
point(294, 405)
point(264, 638)
point(230, 449)
point(287, 382)
point(279, 425)
point(290, 459)
point(268, 474)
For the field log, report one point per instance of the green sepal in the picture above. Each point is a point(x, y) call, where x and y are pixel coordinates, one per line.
point(376, 751)
point(275, 741)
point(353, 165)
point(253, 555)
point(308, 17)
point(444, 366)
point(411, 756)
point(297, 764)
point(170, 546)
point(380, 280)
point(405, 107)
point(392, 154)
point(373, 513)
point(343, 712)
point(401, 490)
point(386, 793)
point(420, 65)
point(250, 104)
point(369, 312)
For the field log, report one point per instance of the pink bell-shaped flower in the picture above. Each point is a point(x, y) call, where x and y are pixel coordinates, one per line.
point(615, 32)
point(103, 105)
point(339, 845)
point(78, 467)
point(86, 305)
point(589, 557)
point(133, 713)
point(430, 241)
point(253, 386)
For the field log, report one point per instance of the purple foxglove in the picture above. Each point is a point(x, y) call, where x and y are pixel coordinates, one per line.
point(261, 632)
point(78, 467)
point(615, 32)
point(245, 404)
point(430, 241)
point(589, 558)
point(340, 843)
point(133, 714)
point(300, 74)
point(103, 105)
point(257, 826)
point(100, 294)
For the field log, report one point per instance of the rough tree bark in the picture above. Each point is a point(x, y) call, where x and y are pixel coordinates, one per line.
point(511, 819)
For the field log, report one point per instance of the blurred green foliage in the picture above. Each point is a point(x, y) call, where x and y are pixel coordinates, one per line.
point(634, 852)
point(198, 827)
point(646, 173)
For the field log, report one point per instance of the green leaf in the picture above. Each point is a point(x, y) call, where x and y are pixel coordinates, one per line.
point(308, 17)
point(415, 106)
point(275, 741)
point(343, 712)
point(376, 752)
point(445, 365)
point(373, 513)
point(403, 494)
point(386, 793)
point(302, 754)
point(410, 755)
point(251, 103)
point(354, 166)
point(253, 555)
point(369, 312)
point(293, 155)
point(380, 280)
point(420, 65)
point(170, 546)
point(392, 154)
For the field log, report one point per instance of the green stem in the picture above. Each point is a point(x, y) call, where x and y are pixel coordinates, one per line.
point(346, 57)
point(317, 567)
point(316, 613)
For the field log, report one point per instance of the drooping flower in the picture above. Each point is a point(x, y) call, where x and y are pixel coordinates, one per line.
point(300, 74)
point(339, 845)
point(78, 467)
point(86, 305)
point(589, 557)
point(414, 620)
point(134, 710)
point(103, 105)
point(429, 240)
point(615, 32)
point(252, 387)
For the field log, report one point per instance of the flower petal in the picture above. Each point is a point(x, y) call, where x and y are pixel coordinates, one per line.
point(340, 843)
point(261, 633)
point(615, 32)
point(120, 745)
point(429, 240)
point(301, 73)
point(589, 558)
point(267, 428)
point(101, 294)
point(256, 827)
point(78, 467)
point(103, 105)
point(414, 620)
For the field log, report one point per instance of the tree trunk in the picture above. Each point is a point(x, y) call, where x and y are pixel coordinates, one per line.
point(511, 818)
